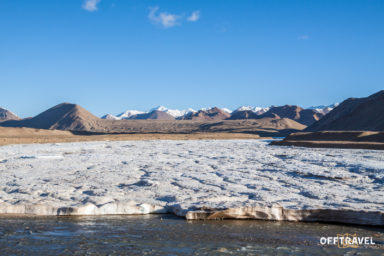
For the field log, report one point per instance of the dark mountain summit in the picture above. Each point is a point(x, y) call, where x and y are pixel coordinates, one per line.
point(354, 114)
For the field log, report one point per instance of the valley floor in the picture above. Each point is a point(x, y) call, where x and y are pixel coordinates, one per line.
point(198, 179)
point(30, 136)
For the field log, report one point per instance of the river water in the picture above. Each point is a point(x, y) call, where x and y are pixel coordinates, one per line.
point(169, 235)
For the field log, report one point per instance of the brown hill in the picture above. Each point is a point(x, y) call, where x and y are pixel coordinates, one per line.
point(303, 116)
point(245, 114)
point(354, 114)
point(7, 115)
point(213, 114)
point(154, 115)
point(287, 111)
point(64, 116)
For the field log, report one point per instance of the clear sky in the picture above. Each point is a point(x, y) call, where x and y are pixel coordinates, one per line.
point(113, 55)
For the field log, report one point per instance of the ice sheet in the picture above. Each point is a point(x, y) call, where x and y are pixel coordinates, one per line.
point(138, 177)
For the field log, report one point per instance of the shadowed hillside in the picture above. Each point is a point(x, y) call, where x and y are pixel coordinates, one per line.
point(354, 114)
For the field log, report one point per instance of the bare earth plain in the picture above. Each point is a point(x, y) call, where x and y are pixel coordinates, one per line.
point(9, 135)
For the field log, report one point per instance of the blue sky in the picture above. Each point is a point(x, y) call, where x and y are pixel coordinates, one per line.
point(113, 55)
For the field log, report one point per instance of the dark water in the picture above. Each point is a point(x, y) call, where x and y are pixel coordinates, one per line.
point(168, 235)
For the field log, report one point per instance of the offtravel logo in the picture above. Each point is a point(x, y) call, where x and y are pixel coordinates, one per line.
point(347, 240)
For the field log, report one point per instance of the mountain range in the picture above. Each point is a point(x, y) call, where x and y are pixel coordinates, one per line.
point(303, 116)
point(136, 114)
point(72, 117)
point(67, 116)
point(353, 114)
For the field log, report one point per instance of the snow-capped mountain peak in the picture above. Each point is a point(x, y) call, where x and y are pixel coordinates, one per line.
point(257, 110)
point(173, 112)
point(128, 114)
point(227, 110)
point(110, 117)
point(322, 109)
point(159, 108)
point(244, 108)
point(178, 114)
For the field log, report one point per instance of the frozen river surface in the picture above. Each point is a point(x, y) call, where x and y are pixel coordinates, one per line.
point(250, 177)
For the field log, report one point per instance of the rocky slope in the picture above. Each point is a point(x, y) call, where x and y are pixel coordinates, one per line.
point(354, 114)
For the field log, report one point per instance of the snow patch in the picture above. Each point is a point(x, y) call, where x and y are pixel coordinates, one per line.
point(322, 109)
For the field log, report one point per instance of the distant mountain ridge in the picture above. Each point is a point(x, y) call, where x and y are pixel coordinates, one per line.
point(72, 117)
point(136, 114)
point(67, 116)
point(306, 116)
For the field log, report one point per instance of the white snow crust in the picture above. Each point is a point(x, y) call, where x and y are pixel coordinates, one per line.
point(140, 177)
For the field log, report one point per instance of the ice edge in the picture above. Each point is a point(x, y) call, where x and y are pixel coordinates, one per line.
point(274, 212)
